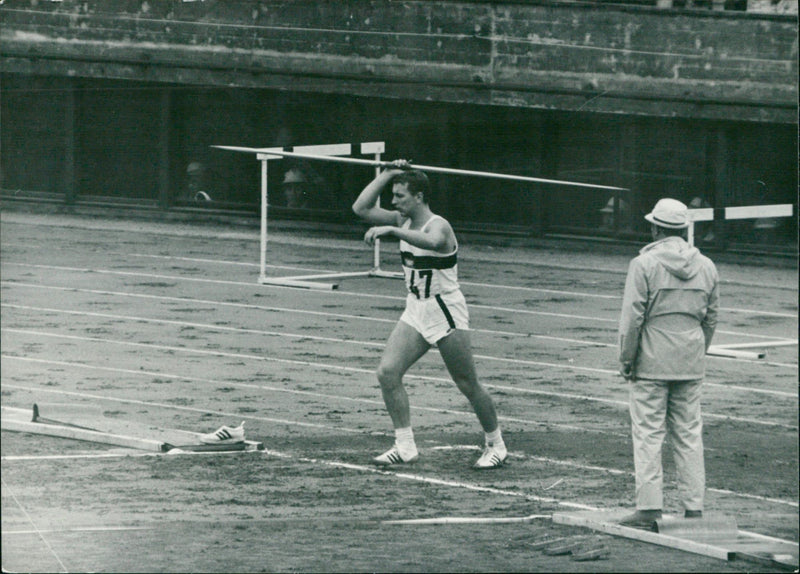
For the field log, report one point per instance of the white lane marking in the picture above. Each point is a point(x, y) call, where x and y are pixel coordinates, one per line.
point(351, 342)
point(420, 377)
point(400, 301)
point(436, 481)
point(354, 294)
point(364, 318)
point(269, 452)
point(76, 529)
point(36, 529)
point(615, 471)
point(376, 403)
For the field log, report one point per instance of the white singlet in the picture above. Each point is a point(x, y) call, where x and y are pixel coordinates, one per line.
point(428, 273)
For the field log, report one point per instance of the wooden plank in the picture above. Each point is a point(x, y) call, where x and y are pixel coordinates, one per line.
point(75, 433)
point(718, 540)
point(766, 550)
point(105, 430)
point(607, 522)
point(711, 526)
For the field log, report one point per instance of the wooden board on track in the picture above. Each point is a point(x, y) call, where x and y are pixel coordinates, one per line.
point(717, 540)
point(88, 425)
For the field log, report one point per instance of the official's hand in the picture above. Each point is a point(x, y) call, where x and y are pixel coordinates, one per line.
point(374, 233)
point(626, 370)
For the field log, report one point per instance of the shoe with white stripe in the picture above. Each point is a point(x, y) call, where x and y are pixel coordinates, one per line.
point(224, 435)
point(393, 457)
point(492, 457)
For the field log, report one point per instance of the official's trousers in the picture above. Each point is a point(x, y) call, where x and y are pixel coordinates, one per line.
point(658, 409)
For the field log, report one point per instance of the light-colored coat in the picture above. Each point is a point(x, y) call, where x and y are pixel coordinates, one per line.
point(669, 311)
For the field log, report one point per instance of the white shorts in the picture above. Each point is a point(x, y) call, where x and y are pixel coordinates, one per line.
point(436, 317)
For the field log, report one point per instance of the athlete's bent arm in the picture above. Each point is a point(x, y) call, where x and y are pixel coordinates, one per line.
point(438, 236)
point(366, 204)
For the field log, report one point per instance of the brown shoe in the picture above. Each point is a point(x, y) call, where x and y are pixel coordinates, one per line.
point(693, 514)
point(641, 518)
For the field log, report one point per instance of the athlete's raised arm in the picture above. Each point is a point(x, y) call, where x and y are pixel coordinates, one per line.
point(366, 204)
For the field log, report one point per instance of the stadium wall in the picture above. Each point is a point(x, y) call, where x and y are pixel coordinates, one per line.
point(119, 101)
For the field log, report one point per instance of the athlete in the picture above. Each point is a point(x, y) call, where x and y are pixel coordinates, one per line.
point(436, 313)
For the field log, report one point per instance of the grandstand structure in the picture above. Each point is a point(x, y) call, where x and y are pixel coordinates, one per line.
point(117, 104)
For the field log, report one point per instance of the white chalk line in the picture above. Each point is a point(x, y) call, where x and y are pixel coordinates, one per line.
point(360, 343)
point(359, 370)
point(176, 407)
point(344, 368)
point(355, 294)
point(435, 481)
point(198, 301)
point(364, 318)
point(270, 452)
point(301, 336)
point(311, 270)
point(468, 520)
point(338, 293)
point(295, 240)
point(614, 471)
point(77, 529)
point(371, 402)
point(492, 286)
point(36, 529)
point(205, 326)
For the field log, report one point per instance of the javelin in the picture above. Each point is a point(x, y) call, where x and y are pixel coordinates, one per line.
point(375, 162)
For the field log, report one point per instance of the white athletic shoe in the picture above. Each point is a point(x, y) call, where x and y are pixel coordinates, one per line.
point(492, 457)
point(224, 435)
point(392, 457)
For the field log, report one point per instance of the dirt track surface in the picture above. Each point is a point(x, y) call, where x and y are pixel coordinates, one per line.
point(166, 324)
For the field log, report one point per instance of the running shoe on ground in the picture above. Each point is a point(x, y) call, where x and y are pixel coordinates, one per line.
point(224, 435)
point(393, 457)
point(492, 457)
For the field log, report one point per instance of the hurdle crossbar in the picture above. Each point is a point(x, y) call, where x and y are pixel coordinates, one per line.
point(740, 350)
point(763, 344)
point(743, 212)
point(717, 351)
point(329, 152)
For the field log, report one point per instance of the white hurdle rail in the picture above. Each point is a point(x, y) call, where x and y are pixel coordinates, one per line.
point(738, 351)
point(311, 281)
point(746, 212)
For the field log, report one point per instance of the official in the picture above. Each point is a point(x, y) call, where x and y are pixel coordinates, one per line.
point(669, 314)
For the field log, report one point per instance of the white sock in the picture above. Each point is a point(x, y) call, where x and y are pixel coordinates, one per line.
point(495, 439)
point(404, 438)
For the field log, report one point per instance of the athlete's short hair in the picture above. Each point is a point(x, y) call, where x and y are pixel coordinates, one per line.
point(416, 181)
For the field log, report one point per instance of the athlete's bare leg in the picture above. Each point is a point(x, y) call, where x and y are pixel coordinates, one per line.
point(456, 350)
point(404, 348)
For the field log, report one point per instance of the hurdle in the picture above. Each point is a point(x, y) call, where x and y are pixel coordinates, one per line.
point(738, 351)
point(264, 155)
point(746, 212)
point(334, 153)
